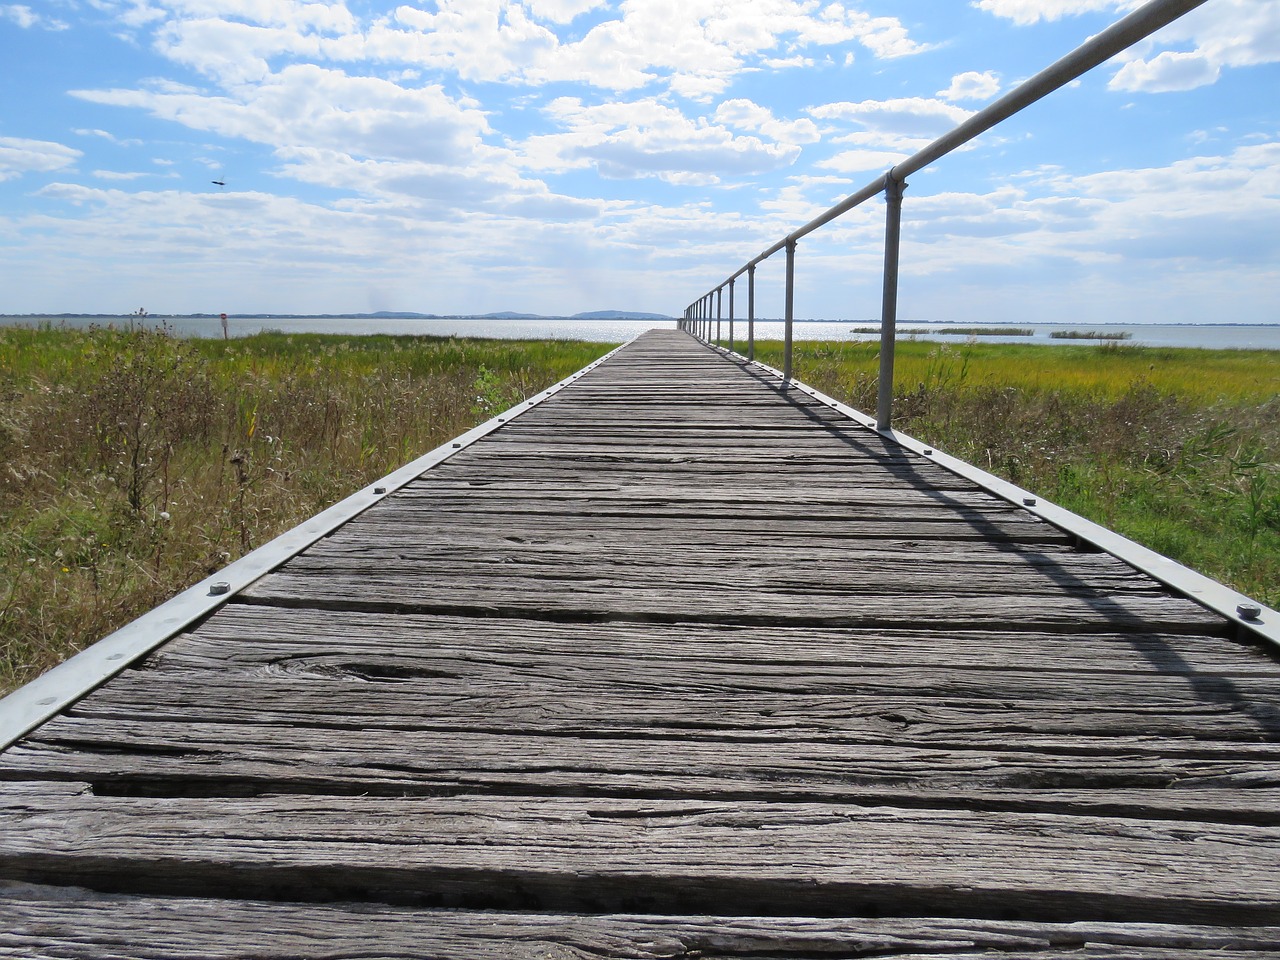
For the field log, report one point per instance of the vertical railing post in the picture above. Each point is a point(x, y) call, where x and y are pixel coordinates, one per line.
point(719, 312)
point(889, 307)
point(731, 283)
point(790, 315)
point(751, 311)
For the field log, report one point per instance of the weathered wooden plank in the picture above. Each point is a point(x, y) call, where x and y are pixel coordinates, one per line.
point(384, 591)
point(1174, 727)
point(573, 498)
point(689, 578)
point(980, 690)
point(674, 543)
point(134, 757)
point(993, 527)
point(618, 856)
point(523, 660)
point(713, 494)
point(253, 636)
point(61, 924)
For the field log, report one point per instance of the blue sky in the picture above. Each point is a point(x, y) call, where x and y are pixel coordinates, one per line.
point(558, 156)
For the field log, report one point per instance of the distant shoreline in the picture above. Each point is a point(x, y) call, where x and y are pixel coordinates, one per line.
point(382, 315)
point(584, 317)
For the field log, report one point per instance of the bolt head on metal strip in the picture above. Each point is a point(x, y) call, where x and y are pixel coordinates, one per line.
point(928, 451)
point(1029, 501)
point(456, 446)
point(1248, 611)
point(379, 489)
point(219, 588)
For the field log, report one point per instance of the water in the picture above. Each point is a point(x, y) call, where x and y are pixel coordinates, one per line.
point(1217, 336)
point(1229, 336)
point(551, 328)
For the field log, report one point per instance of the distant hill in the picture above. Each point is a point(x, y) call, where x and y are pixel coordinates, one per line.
point(619, 315)
point(377, 315)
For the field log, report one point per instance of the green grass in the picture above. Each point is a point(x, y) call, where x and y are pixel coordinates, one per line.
point(135, 464)
point(1178, 449)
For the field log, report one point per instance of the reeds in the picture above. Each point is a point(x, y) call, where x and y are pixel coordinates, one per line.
point(1090, 335)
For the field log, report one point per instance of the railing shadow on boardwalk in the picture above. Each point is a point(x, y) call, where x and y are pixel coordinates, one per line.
point(1214, 689)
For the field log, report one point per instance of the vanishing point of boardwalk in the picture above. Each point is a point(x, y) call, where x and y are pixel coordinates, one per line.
point(677, 663)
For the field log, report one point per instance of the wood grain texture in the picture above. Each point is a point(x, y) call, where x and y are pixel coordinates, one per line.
point(47, 923)
point(552, 853)
point(691, 665)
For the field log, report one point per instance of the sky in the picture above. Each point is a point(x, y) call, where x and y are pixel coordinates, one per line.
point(562, 156)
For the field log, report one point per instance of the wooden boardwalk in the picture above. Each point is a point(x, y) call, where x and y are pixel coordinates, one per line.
point(676, 664)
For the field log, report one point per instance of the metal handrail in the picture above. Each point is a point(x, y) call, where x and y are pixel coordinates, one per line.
point(698, 317)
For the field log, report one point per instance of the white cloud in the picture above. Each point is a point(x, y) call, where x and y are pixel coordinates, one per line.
point(1168, 71)
point(118, 175)
point(1026, 12)
point(972, 86)
point(885, 132)
point(28, 19)
point(1226, 33)
point(748, 115)
point(1167, 223)
point(787, 63)
point(109, 137)
point(19, 156)
point(561, 11)
point(306, 105)
point(368, 136)
point(437, 190)
point(479, 40)
point(298, 15)
point(897, 118)
point(695, 47)
point(648, 138)
point(863, 161)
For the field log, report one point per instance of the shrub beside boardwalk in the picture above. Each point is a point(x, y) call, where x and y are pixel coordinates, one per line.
point(135, 463)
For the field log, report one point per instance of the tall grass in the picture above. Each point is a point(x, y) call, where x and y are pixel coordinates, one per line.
point(135, 463)
point(1178, 449)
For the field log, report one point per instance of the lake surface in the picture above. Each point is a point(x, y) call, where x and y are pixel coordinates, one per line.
point(1227, 336)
